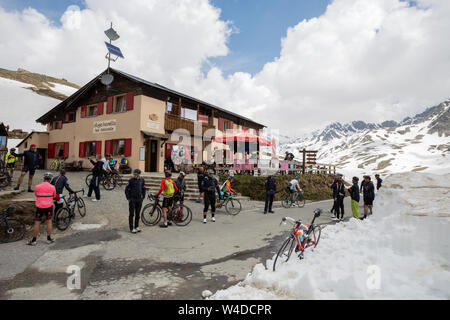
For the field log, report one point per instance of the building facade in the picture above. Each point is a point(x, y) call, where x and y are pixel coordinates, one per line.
point(134, 118)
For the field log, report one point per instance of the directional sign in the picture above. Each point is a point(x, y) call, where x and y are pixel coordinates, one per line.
point(114, 50)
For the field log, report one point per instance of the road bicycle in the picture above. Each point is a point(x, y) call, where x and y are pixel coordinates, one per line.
point(63, 217)
point(301, 237)
point(58, 164)
point(108, 181)
point(11, 229)
point(180, 214)
point(232, 206)
point(299, 200)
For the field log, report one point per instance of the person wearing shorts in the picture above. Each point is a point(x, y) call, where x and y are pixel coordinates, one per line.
point(45, 195)
point(368, 190)
point(31, 161)
point(200, 177)
point(209, 187)
point(168, 189)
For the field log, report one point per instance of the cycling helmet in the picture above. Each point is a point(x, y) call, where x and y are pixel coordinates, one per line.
point(210, 171)
point(182, 174)
point(230, 178)
point(48, 176)
point(296, 178)
point(137, 171)
point(168, 174)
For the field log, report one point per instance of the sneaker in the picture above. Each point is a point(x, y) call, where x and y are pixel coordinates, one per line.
point(213, 219)
point(204, 220)
point(32, 243)
point(271, 212)
point(86, 196)
point(163, 225)
point(265, 212)
point(138, 230)
point(30, 190)
point(17, 187)
point(95, 200)
point(133, 231)
point(169, 223)
point(50, 240)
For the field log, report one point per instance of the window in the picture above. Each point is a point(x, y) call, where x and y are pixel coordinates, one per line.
point(59, 150)
point(189, 114)
point(3, 142)
point(26, 144)
point(92, 111)
point(171, 108)
point(118, 147)
point(90, 149)
point(70, 117)
point(121, 104)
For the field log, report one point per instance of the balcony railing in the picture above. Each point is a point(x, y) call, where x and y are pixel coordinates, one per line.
point(173, 122)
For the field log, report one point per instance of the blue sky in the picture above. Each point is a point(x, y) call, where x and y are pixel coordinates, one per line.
point(261, 25)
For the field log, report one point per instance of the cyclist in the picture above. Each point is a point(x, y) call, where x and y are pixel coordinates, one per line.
point(368, 190)
point(333, 209)
point(123, 164)
point(379, 181)
point(271, 186)
point(200, 177)
point(135, 193)
point(11, 159)
point(168, 189)
point(106, 167)
point(45, 194)
point(209, 187)
point(112, 163)
point(293, 187)
point(225, 189)
point(31, 161)
point(181, 185)
point(338, 196)
point(97, 173)
point(60, 183)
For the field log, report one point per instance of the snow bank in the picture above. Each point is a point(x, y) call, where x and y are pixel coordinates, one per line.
point(405, 242)
point(80, 226)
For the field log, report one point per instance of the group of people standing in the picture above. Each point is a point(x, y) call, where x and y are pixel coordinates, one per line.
point(367, 189)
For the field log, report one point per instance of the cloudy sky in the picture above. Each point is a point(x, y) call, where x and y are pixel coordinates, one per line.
point(294, 65)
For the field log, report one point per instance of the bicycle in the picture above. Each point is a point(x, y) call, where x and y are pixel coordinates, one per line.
point(64, 215)
point(232, 206)
point(108, 181)
point(11, 229)
point(301, 237)
point(299, 200)
point(57, 164)
point(180, 214)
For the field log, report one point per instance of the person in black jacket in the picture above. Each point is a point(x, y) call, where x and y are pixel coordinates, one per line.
point(181, 185)
point(135, 193)
point(30, 163)
point(338, 196)
point(354, 194)
point(271, 186)
point(97, 173)
point(209, 187)
point(333, 209)
point(200, 177)
point(379, 181)
point(368, 190)
point(60, 182)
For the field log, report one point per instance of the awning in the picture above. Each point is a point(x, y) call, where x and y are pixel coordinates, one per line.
point(155, 135)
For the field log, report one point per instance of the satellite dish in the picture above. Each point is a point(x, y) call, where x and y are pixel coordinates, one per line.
point(107, 79)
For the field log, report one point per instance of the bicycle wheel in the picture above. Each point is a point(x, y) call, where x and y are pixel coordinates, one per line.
point(88, 179)
point(63, 219)
point(118, 179)
point(3, 180)
point(317, 230)
point(286, 203)
point(182, 215)
point(285, 251)
point(12, 230)
point(233, 206)
point(54, 165)
point(151, 215)
point(81, 207)
point(300, 201)
point(108, 183)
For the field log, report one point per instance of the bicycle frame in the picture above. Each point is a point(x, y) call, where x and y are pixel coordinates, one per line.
point(310, 229)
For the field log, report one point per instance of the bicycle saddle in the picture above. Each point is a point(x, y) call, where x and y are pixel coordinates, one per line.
point(318, 212)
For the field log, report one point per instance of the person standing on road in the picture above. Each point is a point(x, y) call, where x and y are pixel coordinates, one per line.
point(168, 189)
point(10, 160)
point(338, 196)
point(200, 177)
point(333, 209)
point(271, 186)
point(379, 181)
point(31, 162)
point(368, 195)
point(181, 185)
point(60, 183)
point(354, 194)
point(97, 173)
point(209, 187)
point(45, 194)
point(135, 193)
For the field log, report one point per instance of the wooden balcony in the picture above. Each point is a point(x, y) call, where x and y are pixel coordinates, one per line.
point(173, 122)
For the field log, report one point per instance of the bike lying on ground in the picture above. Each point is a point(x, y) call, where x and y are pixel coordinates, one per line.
point(301, 237)
point(11, 229)
point(63, 217)
point(232, 206)
point(180, 214)
point(299, 200)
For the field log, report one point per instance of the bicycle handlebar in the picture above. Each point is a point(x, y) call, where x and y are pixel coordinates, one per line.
point(289, 219)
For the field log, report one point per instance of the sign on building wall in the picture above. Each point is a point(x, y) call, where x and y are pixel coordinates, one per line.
point(105, 126)
point(152, 124)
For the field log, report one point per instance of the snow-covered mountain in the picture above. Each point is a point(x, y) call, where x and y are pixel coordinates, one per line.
point(25, 96)
point(420, 143)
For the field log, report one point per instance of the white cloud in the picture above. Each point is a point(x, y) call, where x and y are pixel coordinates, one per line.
point(370, 60)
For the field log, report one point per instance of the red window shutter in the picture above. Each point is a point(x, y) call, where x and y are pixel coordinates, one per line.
point(127, 148)
point(83, 112)
point(51, 126)
point(130, 101)
point(100, 109)
point(82, 151)
point(51, 150)
point(66, 150)
point(220, 124)
point(98, 147)
point(108, 146)
point(109, 105)
point(67, 117)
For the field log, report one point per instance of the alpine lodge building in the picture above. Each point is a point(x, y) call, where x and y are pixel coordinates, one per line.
point(134, 118)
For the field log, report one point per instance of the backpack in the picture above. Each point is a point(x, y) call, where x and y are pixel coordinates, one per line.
point(170, 189)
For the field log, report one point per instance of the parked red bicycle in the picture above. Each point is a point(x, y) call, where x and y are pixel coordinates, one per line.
point(301, 237)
